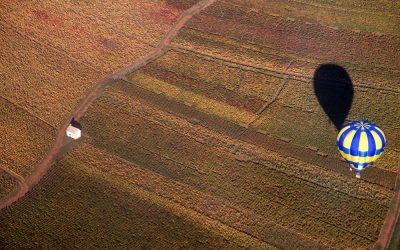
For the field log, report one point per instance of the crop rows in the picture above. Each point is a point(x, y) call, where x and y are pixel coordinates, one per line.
point(74, 208)
point(297, 104)
point(25, 138)
point(297, 115)
point(299, 37)
point(7, 184)
point(123, 97)
point(212, 78)
point(258, 188)
point(79, 36)
point(40, 79)
point(349, 15)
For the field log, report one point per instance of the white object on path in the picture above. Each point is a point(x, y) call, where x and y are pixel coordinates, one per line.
point(73, 132)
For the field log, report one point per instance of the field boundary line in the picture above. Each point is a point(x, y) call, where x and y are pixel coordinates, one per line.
point(27, 111)
point(41, 169)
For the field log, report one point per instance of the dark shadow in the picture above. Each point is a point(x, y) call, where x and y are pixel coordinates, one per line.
point(76, 124)
point(334, 91)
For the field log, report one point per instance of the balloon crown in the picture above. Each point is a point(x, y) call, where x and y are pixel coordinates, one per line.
point(362, 124)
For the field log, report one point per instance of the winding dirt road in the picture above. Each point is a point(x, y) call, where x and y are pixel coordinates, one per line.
point(41, 169)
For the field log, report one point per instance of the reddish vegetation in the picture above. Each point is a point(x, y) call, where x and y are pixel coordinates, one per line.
point(167, 14)
point(298, 37)
point(109, 43)
point(42, 15)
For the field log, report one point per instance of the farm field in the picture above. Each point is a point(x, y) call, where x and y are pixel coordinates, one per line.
point(203, 125)
point(50, 57)
point(25, 141)
point(295, 113)
point(206, 173)
point(8, 184)
point(80, 205)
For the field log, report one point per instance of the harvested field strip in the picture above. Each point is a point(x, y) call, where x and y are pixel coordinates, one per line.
point(191, 203)
point(191, 99)
point(76, 206)
point(248, 137)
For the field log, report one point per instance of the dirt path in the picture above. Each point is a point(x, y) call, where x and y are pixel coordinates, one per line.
point(387, 230)
point(42, 168)
point(18, 192)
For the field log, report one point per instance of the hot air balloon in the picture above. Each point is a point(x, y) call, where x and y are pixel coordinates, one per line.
point(360, 143)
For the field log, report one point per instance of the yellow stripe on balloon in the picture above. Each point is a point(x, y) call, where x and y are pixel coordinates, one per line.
point(364, 159)
point(342, 131)
point(363, 146)
point(378, 141)
point(349, 139)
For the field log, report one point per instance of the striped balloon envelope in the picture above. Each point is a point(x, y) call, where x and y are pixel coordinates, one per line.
point(360, 143)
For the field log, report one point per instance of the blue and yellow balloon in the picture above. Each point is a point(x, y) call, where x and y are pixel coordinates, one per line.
point(360, 143)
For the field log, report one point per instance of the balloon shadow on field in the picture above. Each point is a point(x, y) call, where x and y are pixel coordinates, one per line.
point(334, 90)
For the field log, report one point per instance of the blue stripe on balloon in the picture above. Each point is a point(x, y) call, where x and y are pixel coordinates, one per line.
point(355, 143)
point(371, 144)
point(357, 164)
point(347, 151)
